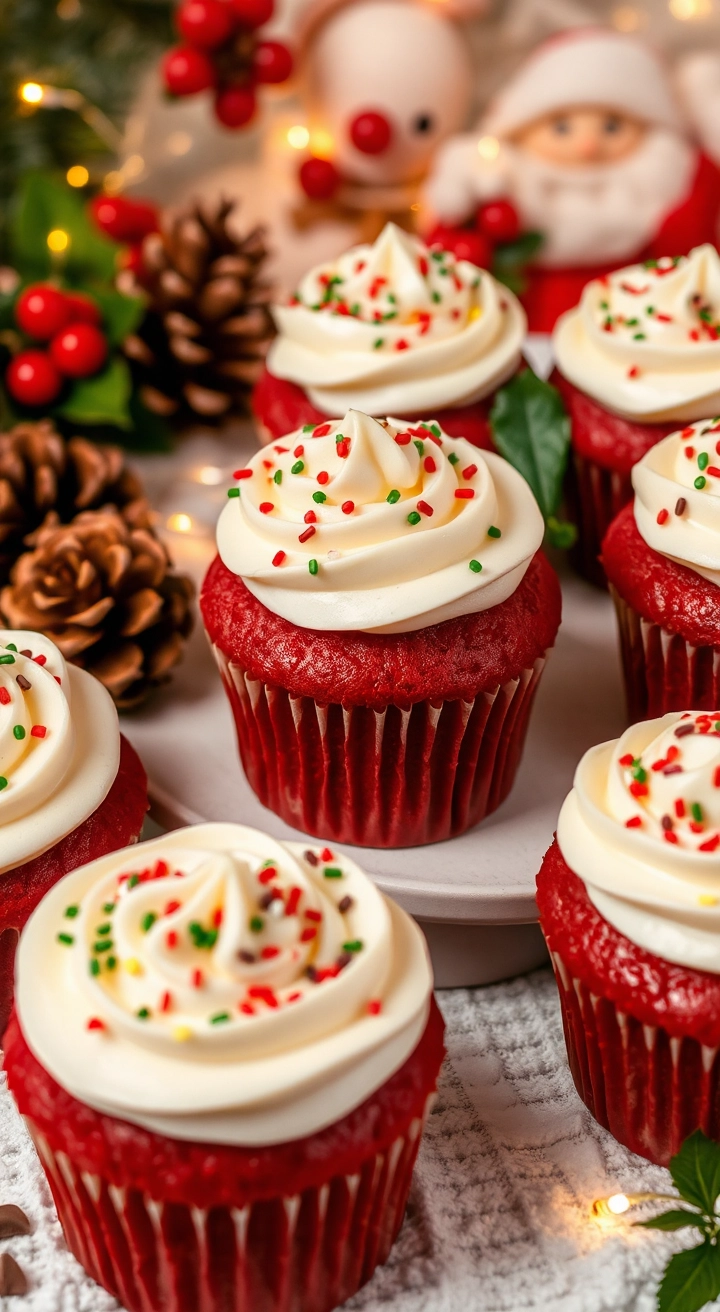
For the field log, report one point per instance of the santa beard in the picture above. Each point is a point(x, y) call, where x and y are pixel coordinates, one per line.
point(600, 213)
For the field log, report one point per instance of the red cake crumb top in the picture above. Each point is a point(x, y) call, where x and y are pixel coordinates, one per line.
point(607, 439)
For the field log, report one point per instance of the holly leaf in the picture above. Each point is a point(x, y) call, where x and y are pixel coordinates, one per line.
point(695, 1171)
point(514, 255)
point(532, 431)
point(43, 205)
point(674, 1220)
point(121, 314)
point(561, 533)
point(691, 1279)
point(102, 399)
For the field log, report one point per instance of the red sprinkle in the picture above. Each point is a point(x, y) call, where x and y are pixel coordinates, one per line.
point(633, 371)
point(464, 494)
point(710, 844)
point(299, 451)
point(308, 934)
point(278, 558)
point(347, 507)
point(342, 449)
point(322, 430)
point(243, 473)
point(281, 450)
point(268, 464)
point(266, 875)
point(713, 471)
point(38, 731)
point(246, 1009)
point(323, 477)
point(171, 938)
point(402, 439)
point(326, 854)
point(307, 534)
point(716, 777)
point(627, 759)
point(293, 898)
point(634, 822)
point(263, 994)
point(374, 1007)
point(638, 790)
point(425, 509)
point(687, 432)
point(196, 979)
point(217, 917)
point(689, 452)
point(423, 265)
point(669, 836)
point(41, 660)
point(269, 952)
point(165, 1002)
point(663, 516)
point(679, 808)
point(310, 517)
point(429, 465)
point(160, 870)
point(402, 345)
point(294, 997)
point(95, 1023)
point(469, 471)
point(265, 507)
point(4, 697)
point(315, 916)
point(172, 906)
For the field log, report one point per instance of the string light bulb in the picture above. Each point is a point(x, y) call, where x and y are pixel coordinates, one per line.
point(77, 176)
point(616, 1205)
point(32, 93)
point(58, 240)
point(298, 136)
point(488, 147)
point(180, 523)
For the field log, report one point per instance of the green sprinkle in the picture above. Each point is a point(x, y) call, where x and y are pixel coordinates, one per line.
point(133, 881)
point(101, 930)
point(392, 298)
point(696, 811)
point(355, 308)
point(649, 309)
point(143, 1013)
point(10, 646)
point(309, 428)
point(7, 660)
point(94, 966)
point(72, 911)
point(436, 298)
point(3, 782)
point(631, 323)
point(219, 1017)
point(103, 946)
point(494, 532)
point(703, 460)
point(433, 429)
point(356, 945)
point(604, 305)
point(420, 446)
point(313, 566)
point(453, 458)
point(475, 566)
point(110, 963)
point(319, 497)
point(640, 775)
point(277, 476)
point(67, 939)
point(379, 341)
point(332, 872)
point(233, 491)
point(639, 337)
point(413, 517)
point(700, 482)
point(393, 496)
point(18, 732)
point(147, 921)
point(297, 467)
point(437, 255)
point(108, 908)
point(256, 924)
point(339, 437)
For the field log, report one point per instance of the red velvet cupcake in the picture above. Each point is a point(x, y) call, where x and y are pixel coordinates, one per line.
point(71, 788)
point(637, 358)
point(228, 1103)
point(629, 906)
point(380, 614)
point(662, 559)
point(392, 329)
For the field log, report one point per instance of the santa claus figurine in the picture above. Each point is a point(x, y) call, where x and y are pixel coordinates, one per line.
point(587, 146)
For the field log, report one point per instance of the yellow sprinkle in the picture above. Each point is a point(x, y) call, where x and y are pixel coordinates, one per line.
point(475, 312)
point(133, 966)
point(707, 900)
point(181, 1033)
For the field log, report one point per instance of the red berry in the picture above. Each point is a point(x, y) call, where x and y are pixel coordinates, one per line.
point(465, 244)
point(235, 106)
point(32, 379)
point(252, 13)
point(370, 132)
point(205, 23)
point(319, 179)
point(273, 62)
point(122, 219)
point(41, 311)
point(83, 309)
point(499, 220)
point(187, 71)
point(79, 350)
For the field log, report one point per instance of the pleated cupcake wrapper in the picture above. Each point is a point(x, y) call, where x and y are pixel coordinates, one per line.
point(662, 671)
point(387, 778)
point(595, 496)
point(650, 1089)
point(304, 1252)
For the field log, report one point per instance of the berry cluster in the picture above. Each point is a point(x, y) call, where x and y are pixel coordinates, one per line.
point(70, 326)
point(128, 222)
point(497, 221)
point(221, 53)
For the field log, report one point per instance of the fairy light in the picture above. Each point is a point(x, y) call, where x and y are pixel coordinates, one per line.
point(42, 95)
point(488, 147)
point(178, 143)
point(77, 176)
point(298, 136)
point(58, 240)
point(210, 475)
point(626, 18)
point(32, 93)
point(686, 11)
point(321, 143)
point(616, 1205)
point(180, 523)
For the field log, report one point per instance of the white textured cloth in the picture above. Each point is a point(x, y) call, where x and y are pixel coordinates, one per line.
point(499, 1215)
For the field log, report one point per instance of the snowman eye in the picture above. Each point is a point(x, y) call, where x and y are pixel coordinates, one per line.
point(423, 123)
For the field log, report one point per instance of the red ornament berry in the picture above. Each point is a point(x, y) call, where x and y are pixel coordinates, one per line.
point(235, 106)
point(83, 309)
point(370, 132)
point(273, 62)
point(319, 179)
point(252, 13)
point(205, 23)
point(124, 220)
point(465, 244)
point(32, 379)
point(79, 350)
point(187, 71)
point(499, 220)
point(41, 311)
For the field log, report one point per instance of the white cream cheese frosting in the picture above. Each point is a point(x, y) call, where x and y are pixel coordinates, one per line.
point(219, 986)
point(641, 828)
point(381, 526)
point(645, 341)
point(677, 497)
point(59, 746)
point(395, 328)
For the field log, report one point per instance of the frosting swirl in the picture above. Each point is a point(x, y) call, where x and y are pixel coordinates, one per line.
point(216, 984)
point(677, 497)
point(395, 328)
point(59, 746)
point(645, 341)
point(641, 828)
point(378, 525)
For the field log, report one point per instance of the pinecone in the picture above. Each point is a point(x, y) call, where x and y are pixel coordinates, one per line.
point(208, 327)
point(106, 594)
point(40, 472)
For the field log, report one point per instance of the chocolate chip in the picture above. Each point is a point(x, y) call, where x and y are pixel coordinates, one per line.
point(13, 1221)
point(24, 683)
point(346, 903)
point(344, 960)
point(684, 729)
point(12, 1277)
point(667, 822)
point(267, 898)
point(26, 652)
point(248, 957)
point(311, 858)
point(680, 505)
point(311, 973)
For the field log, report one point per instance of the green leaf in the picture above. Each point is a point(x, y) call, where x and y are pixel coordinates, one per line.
point(43, 204)
point(532, 431)
point(561, 534)
point(121, 314)
point(674, 1220)
point(516, 254)
point(103, 399)
point(691, 1279)
point(695, 1171)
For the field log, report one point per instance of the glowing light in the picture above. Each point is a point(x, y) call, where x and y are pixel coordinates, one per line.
point(113, 182)
point(78, 176)
point(298, 137)
point(32, 93)
point(625, 18)
point(488, 147)
point(210, 475)
point(179, 143)
point(134, 165)
point(180, 523)
point(688, 10)
point(618, 1203)
point(58, 240)
point(322, 144)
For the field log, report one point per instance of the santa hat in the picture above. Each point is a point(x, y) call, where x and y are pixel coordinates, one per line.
point(585, 66)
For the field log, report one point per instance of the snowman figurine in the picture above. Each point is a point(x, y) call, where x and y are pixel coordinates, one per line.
point(384, 83)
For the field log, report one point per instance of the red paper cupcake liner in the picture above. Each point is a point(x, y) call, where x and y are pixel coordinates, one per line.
point(390, 778)
point(649, 1088)
point(307, 1252)
point(663, 671)
point(595, 496)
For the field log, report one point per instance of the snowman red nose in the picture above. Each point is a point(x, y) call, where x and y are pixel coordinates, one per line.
point(370, 132)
